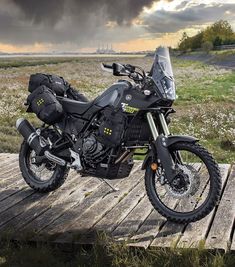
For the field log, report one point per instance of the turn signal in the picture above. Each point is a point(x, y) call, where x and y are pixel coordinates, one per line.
point(154, 166)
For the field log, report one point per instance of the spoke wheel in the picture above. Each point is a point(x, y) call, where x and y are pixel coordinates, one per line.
point(41, 172)
point(195, 189)
point(44, 177)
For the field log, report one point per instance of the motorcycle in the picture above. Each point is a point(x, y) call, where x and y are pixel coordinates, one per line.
point(101, 137)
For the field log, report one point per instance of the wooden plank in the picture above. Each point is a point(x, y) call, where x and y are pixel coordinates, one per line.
point(15, 199)
point(55, 213)
point(58, 207)
point(147, 231)
point(63, 222)
point(12, 189)
point(114, 217)
point(7, 156)
point(84, 222)
point(10, 158)
point(196, 232)
point(8, 173)
point(8, 168)
point(27, 209)
point(77, 199)
point(134, 220)
point(13, 179)
point(2, 156)
point(170, 233)
point(220, 232)
point(233, 242)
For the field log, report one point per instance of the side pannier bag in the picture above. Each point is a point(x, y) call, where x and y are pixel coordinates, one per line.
point(44, 104)
point(55, 83)
point(112, 127)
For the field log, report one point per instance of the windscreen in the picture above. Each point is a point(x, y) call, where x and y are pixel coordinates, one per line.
point(162, 73)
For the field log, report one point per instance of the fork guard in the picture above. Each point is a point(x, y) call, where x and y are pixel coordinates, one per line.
point(160, 152)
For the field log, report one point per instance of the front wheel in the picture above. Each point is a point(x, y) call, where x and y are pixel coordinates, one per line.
point(195, 189)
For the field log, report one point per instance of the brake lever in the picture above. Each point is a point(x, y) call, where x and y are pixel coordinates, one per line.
point(130, 68)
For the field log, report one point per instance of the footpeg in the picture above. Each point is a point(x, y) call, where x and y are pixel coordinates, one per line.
point(55, 159)
point(77, 162)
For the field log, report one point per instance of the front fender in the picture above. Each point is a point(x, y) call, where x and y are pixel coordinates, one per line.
point(167, 141)
point(172, 139)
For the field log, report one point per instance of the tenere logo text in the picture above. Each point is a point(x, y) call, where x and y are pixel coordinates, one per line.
point(128, 109)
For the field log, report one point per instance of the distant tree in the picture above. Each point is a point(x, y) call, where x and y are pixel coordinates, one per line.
point(196, 41)
point(183, 44)
point(217, 41)
point(207, 46)
point(217, 34)
point(219, 30)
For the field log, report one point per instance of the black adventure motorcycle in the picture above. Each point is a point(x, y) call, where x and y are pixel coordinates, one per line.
point(99, 138)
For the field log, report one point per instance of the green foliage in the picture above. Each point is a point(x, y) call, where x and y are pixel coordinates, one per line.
point(207, 46)
point(217, 34)
point(184, 42)
point(219, 30)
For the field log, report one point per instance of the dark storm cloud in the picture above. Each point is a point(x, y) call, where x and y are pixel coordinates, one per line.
point(48, 11)
point(171, 21)
point(58, 21)
point(121, 11)
point(82, 22)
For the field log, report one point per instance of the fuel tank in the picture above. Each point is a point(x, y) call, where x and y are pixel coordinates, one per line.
point(124, 95)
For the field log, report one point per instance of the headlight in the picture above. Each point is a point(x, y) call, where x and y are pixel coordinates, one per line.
point(166, 86)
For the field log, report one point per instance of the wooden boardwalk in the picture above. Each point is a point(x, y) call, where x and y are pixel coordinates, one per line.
point(84, 206)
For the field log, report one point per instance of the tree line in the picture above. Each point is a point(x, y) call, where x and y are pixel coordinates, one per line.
point(219, 33)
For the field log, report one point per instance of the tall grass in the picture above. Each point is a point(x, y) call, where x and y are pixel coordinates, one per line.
point(107, 253)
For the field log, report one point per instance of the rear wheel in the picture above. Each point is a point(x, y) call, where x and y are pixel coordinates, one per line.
point(194, 191)
point(44, 177)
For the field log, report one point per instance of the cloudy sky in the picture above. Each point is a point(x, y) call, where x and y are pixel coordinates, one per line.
point(81, 25)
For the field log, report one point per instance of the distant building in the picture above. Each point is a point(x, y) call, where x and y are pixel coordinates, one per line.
point(102, 49)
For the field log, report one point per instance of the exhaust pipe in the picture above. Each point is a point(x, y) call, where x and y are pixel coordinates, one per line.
point(36, 142)
point(30, 135)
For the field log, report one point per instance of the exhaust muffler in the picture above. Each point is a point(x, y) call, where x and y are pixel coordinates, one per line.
point(30, 135)
point(36, 142)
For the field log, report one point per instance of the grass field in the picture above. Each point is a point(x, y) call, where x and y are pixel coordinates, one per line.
point(205, 105)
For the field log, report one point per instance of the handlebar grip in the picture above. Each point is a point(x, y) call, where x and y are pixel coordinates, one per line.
point(107, 66)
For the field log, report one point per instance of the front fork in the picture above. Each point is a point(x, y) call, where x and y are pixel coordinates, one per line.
point(153, 127)
point(160, 145)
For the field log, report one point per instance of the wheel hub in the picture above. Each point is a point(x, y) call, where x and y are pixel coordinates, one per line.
point(185, 183)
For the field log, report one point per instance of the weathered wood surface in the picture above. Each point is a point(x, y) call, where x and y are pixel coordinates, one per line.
point(85, 206)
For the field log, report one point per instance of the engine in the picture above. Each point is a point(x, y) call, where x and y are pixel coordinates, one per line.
point(91, 147)
point(106, 133)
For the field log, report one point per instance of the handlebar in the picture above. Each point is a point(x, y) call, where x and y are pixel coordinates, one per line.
point(125, 70)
